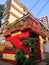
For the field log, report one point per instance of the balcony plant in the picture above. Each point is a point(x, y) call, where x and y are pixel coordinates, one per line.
point(16, 24)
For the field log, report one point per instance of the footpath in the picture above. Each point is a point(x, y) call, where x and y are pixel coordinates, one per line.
point(44, 62)
point(4, 63)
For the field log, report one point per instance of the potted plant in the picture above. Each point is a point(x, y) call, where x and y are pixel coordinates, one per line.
point(21, 58)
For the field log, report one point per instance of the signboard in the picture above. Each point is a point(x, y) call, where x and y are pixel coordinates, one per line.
point(17, 33)
point(8, 56)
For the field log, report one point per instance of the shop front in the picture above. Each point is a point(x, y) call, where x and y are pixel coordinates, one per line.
point(30, 29)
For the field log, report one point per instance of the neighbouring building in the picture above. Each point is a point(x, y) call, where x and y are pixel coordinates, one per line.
point(48, 24)
point(13, 10)
point(45, 21)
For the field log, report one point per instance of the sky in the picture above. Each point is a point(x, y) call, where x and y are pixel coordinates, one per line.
point(35, 10)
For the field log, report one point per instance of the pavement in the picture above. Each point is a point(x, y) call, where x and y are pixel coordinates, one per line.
point(4, 63)
point(43, 62)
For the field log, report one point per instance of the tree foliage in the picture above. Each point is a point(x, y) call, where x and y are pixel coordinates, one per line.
point(1, 10)
point(1, 6)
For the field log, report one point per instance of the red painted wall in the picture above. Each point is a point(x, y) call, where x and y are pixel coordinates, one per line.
point(17, 43)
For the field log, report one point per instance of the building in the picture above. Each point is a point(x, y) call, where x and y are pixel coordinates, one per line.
point(45, 21)
point(29, 28)
point(13, 10)
point(48, 24)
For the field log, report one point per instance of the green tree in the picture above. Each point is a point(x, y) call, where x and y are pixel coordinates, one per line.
point(1, 12)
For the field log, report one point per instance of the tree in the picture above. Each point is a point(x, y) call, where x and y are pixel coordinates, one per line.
point(1, 12)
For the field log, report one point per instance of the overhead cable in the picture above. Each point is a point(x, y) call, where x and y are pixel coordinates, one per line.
point(34, 5)
point(42, 8)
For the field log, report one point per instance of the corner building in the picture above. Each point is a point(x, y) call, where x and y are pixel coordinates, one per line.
point(13, 10)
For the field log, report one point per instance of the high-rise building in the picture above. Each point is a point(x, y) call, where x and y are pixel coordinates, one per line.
point(13, 10)
point(48, 24)
point(45, 21)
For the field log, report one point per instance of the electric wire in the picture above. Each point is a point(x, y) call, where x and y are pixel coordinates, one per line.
point(34, 5)
point(42, 8)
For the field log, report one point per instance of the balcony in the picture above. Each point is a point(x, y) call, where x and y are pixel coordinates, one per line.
point(28, 23)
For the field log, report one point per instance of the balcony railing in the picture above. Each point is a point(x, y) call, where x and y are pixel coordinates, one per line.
point(21, 25)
